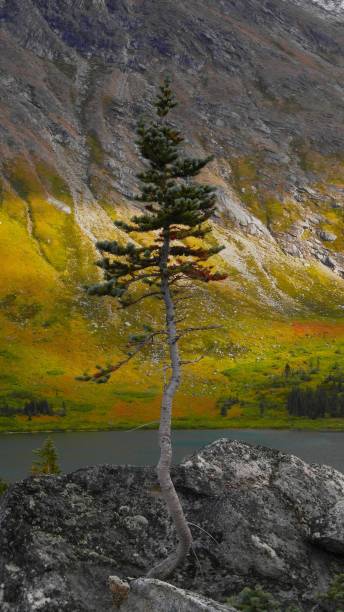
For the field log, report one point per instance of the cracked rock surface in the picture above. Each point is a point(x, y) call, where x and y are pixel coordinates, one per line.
point(258, 516)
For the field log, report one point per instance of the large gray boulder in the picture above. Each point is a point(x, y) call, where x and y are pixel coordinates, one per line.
point(257, 515)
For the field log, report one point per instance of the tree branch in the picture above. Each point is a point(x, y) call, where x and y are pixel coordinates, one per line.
point(182, 363)
point(103, 374)
point(207, 532)
point(141, 426)
point(143, 297)
point(192, 361)
point(136, 279)
point(193, 329)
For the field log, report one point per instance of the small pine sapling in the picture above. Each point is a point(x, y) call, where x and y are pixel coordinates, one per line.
point(254, 600)
point(47, 462)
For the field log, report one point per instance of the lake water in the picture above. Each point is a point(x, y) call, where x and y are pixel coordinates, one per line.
point(141, 447)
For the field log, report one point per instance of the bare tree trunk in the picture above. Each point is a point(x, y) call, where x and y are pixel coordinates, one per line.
point(169, 494)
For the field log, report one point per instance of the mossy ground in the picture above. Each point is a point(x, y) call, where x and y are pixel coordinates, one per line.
point(246, 360)
point(50, 331)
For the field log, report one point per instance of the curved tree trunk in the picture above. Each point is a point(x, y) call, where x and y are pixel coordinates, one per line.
point(169, 494)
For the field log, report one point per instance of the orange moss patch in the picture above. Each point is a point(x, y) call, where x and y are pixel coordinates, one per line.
point(144, 411)
point(318, 328)
point(235, 412)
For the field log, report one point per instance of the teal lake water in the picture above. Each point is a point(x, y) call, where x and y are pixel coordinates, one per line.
point(141, 447)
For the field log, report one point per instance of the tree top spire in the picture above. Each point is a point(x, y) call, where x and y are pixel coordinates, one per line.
point(165, 100)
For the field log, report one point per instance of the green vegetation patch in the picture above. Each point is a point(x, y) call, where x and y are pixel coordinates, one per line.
point(95, 148)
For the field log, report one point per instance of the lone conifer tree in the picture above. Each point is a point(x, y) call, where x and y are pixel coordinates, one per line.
point(47, 462)
point(175, 209)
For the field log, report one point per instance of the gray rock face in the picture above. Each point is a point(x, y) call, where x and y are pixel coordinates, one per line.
point(327, 236)
point(75, 76)
point(328, 530)
point(257, 515)
point(333, 7)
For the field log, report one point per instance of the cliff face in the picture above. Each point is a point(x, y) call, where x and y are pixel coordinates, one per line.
point(62, 537)
point(334, 8)
point(260, 85)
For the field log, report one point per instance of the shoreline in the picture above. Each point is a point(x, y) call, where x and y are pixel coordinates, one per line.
point(77, 450)
point(121, 429)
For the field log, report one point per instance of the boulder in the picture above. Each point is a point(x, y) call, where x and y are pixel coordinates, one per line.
point(327, 236)
point(257, 516)
point(148, 594)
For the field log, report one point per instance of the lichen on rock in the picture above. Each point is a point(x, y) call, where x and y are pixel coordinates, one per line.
point(83, 527)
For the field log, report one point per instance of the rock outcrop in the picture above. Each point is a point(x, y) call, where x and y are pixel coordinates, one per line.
point(257, 515)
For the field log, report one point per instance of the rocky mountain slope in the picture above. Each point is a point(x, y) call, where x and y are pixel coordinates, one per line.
point(333, 7)
point(62, 537)
point(260, 85)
